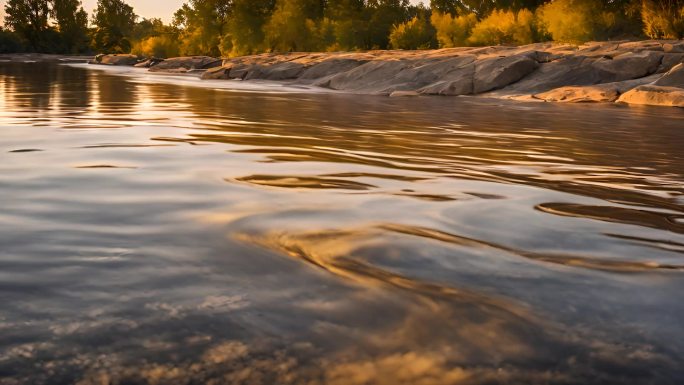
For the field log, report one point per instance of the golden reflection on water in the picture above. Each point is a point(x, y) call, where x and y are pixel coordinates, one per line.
point(167, 234)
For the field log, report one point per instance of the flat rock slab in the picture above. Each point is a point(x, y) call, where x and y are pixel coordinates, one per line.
point(674, 77)
point(189, 63)
point(650, 95)
point(116, 60)
point(599, 93)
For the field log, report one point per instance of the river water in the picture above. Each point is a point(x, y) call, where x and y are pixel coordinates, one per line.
point(154, 231)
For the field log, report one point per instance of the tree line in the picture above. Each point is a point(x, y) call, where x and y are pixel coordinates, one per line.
point(241, 27)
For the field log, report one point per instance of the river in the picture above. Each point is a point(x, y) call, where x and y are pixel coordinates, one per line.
point(155, 230)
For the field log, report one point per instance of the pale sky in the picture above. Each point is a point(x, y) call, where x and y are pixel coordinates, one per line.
point(163, 9)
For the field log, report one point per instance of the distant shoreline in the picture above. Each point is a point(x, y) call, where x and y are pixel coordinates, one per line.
point(633, 72)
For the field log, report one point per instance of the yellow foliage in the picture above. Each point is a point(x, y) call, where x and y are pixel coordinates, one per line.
point(570, 21)
point(453, 31)
point(662, 22)
point(416, 33)
point(157, 46)
point(504, 27)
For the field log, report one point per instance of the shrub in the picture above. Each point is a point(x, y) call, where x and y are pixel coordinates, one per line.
point(416, 33)
point(453, 31)
point(157, 46)
point(663, 19)
point(505, 27)
point(577, 21)
point(10, 42)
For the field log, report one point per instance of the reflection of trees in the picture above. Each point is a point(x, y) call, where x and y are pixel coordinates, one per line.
point(28, 85)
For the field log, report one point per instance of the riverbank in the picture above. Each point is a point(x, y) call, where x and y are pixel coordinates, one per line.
point(640, 73)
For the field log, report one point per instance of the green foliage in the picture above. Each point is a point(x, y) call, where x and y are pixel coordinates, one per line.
point(383, 15)
point(10, 42)
point(663, 19)
point(202, 24)
point(29, 19)
point(114, 21)
point(349, 24)
point(505, 27)
point(246, 27)
point(416, 33)
point(72, 22)
point(453, 31)
point(295, 25)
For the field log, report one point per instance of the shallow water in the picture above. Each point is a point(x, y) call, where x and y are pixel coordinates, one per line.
point(154, 231)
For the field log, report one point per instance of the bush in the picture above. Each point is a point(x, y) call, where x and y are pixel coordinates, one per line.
point(577, 21)
point(453, 31)
point(157, 46)
point(663, 20)
point(10, 42)
point(505, 27)
point(416, 33)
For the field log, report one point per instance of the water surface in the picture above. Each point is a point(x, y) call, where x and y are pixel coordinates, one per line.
point(156, 232)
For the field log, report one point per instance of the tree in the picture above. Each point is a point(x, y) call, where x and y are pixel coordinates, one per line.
point(453, 31)
point(72, 21)
point(10, 42)
point(416, 33)
point(29, 19)
point(663, 19)
point(115, 21)
point(384, 15)
point(505, 27)
point(348, 23)
point(203, 23)
point(289, 28)
point(246, 27)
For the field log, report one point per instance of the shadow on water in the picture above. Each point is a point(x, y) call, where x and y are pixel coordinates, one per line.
point(160, 233)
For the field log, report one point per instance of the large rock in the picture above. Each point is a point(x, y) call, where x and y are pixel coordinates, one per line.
point(495, 73)
point(178, 64)
point(151, 62)
point(117, 60)
point(457, 82)
point(628, 66)
point(330, 67)
point(674, 78)
point(584, 70)
point(372, 77)
point(651, 95)
point(580, 94)
point(674, 47)
point(670, 60)
point(279, 71)
point(607, 92)
point(217, 73)
point(567, 71)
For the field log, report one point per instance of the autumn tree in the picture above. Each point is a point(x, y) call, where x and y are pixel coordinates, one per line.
point(115, 21)
point(202, 24)
point(245, 33)
point(383, 16)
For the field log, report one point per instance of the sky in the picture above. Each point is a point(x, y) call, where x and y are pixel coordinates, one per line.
point(163, 9)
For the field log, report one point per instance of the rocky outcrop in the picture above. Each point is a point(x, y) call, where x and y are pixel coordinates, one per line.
point(148, 63)
point(116, 60)
point(593, 72)
point(186, 64)
point(650, 95)
point(607, 92)
point(674, 77)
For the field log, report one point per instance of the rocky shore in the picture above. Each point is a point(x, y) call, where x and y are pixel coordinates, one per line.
point(640, 73)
